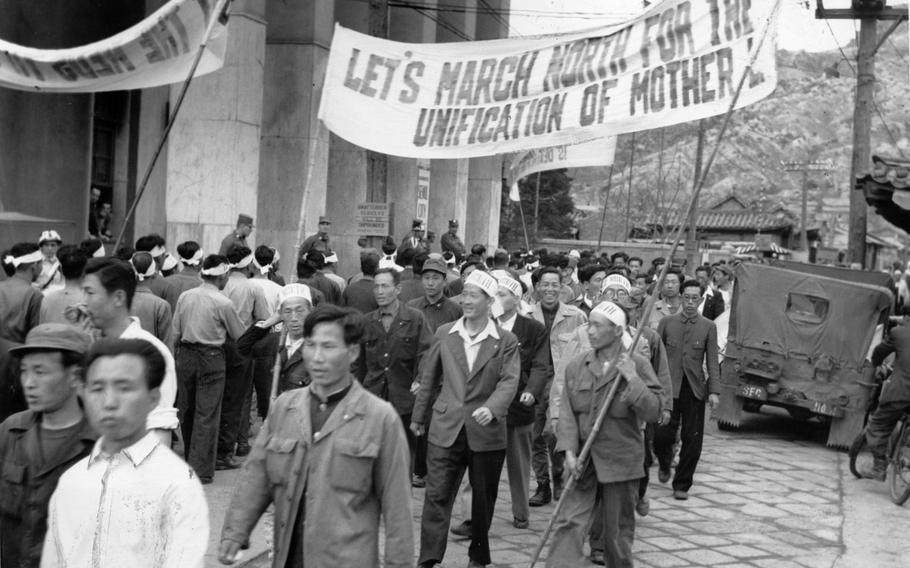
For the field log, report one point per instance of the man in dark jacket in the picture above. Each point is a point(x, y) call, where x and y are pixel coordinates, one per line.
point(395, 338)
point(39, 444)
point(359, 293)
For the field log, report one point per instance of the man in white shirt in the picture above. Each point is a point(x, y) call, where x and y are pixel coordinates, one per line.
point(131, 502)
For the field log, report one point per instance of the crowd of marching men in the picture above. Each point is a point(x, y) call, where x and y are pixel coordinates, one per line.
point(482, 361)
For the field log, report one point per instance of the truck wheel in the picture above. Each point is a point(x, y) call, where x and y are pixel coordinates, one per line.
point(800, 413)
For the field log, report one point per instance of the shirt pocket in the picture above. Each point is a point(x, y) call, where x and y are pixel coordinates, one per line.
point(12, 489)
point(440, 407)
point(582, 396)
point(352, 465)
point(279, 459)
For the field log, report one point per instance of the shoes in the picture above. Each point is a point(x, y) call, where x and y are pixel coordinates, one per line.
point(519, 523)
point(222, 464)
point(597, 557)
point(680, 495)
point(874, 471)
point(463, 530)
point(418, 481)
point(557, 491)
point(541, 497)
point(663, 475)
point(428, 564)
point(643, 507)
point(475, 564)
point(242, 450)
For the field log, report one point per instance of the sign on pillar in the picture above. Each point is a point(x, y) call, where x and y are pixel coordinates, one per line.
point(423, 190)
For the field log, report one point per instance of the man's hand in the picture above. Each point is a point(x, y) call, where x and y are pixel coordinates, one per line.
point(714, 400)
point(626, 367)
point(229, 552)
point(417, 429)
point(483, 416)
point(551, 426)
point(573, 465)
point(527, 399)
point(274, 319)
point(415, 387)
point(664, 418)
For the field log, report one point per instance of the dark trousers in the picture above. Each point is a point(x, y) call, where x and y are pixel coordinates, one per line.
point(881, 425)
point(262, 383)
point(446, 467)
point(688, 413)
point(200, 387)
point(544, 452)
point(596, 534)
point(650, 427)
point(237, 385)
point(518, 466)
point(613, 504)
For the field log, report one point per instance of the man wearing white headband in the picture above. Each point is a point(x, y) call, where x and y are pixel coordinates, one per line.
point(191, 257)
point(154, 245)
point(295, 302)
point(614, 467)
point(204, 319)
point(251, 305)
point(259, 275)
point(474, 365)
point(153, 312)
point(20, 302)
point(50, 277)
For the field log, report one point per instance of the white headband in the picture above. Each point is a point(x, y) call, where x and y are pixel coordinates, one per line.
point(612, 312)
point(245, 261)
point(295, 290)
point(169, 263)
point(616, 280)
point(195, 260)
point(157, 251)
point(511, 285)
point(29, 258)
point(219, 270)
point(262, 269)
point(99, 252)
point(149, 272)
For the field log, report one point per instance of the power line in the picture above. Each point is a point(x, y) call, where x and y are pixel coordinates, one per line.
point(512, 11)
point(498, 17)
point(439, 22)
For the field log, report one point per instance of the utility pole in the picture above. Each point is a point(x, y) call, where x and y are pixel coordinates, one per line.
point(805, 167)
point(625, 231)
point(691, 241)
point(869, 12)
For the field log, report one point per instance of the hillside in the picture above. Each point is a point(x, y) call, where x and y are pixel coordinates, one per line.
point(810, 114)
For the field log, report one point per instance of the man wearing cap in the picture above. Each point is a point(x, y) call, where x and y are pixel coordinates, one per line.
point(535, 372)
point(20, 302)
point(50, 278)
point(203, 321)
point(414, 240)
point(435, 307)
point(191, 256)
point(451, 242)
point(56, 302)
point(561, 320)
point(259, 341)
point(238, 236)
point(615, 463)
point(39, 444)
point(475, 366)
point(251, 305)
point(154, 313)
point(319, 241)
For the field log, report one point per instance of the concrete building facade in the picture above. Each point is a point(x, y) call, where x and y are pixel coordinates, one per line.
point(247, 139)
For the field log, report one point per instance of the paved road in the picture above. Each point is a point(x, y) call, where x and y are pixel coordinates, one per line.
point(769, 496)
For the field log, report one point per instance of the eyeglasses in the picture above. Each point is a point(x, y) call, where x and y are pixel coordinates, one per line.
point(691, 299)
point(613, 294)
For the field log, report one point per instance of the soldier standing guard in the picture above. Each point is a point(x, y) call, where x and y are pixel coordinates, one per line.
point(238, 236)
point(450, 241)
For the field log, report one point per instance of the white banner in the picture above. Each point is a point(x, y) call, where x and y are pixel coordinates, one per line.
point(597, 152)
point(157, 51)
point(679, 61)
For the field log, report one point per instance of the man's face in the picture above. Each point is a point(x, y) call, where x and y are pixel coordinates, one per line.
point(385, 290)
point(246, 229)
point(616, 294)
point(467, 271)
point(101, 306)
point(702, 276)
point(641, 280)
point(635, 265)
point(453, 230)
point(671, 286)
point(293, 312)
point(721, 278)
point(548, 289)
point(324, 228)
point(105, 210)
point(601, 331)
point(117, 398)
point(433, 283)
point(46, 383)
point(475, 302)
point(49, 249)
point(595, 283)
point(327, 357)
point(507, 299)
point(619, 262)
point(95, 195)
point(691, 297)
point(419, 233)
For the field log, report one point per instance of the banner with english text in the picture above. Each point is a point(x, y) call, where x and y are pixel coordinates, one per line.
point(159, 50)
point(679, 61)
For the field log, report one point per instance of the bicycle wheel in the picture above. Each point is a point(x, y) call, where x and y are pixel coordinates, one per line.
point(899, 468)
point(860, 455)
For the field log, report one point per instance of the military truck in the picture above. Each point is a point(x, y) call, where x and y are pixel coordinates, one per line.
point(799, 338)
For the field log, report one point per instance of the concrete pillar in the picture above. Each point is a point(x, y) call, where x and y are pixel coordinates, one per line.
point(294, 154)
point(213, 151)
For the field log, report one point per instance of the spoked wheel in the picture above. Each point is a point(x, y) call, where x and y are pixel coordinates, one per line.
point(899, 468)
point(860, 456)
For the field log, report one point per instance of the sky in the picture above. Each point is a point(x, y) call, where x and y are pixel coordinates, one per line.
point(799, 30)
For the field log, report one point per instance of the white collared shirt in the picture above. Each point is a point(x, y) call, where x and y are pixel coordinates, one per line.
point(141, 507)
point(292, 345)
point(509, 323)
point(472, 344)
point(163, 416)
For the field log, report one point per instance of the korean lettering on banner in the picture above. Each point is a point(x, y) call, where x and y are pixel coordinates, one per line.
point(371, 219)
point(679, 61)
point(423, 190)
point(159, 50)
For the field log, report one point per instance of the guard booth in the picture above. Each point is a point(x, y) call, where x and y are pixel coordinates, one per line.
point(799, 338)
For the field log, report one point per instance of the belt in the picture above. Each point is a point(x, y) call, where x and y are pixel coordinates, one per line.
point(191, 345)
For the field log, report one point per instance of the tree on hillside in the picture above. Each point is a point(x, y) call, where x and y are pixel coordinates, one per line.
point(555, 209)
